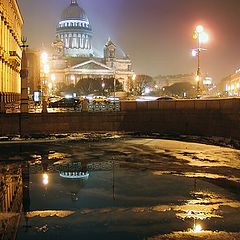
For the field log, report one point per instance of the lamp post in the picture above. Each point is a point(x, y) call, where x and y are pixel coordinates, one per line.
point(133, 82)
point(114, 91)
point(202, 37)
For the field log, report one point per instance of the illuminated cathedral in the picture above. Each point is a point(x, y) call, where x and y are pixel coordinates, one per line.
point(74, 58)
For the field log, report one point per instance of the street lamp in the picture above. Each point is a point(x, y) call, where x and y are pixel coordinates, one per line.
point(202, 37)
point(103, 86)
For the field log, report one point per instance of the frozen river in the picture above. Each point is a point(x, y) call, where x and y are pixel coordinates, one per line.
point(130, 188)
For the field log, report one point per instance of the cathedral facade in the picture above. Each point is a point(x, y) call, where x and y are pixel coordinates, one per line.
point(74, 58)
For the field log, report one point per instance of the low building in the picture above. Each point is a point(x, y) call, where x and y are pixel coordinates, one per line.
point(33, 68)
point(168, 80)
point(230, 85)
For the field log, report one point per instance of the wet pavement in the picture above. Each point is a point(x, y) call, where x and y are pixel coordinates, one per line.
point(119, 188)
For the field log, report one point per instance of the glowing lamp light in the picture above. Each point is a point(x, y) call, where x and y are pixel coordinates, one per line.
point(198, 78)
point(197, 228)
point(73, 77)
point(50, 85)
point(53, 77)
point(194, 53)
point(46, 68)
point(199, 29)
point(134, 76)
point(44, 57)
point(203, 37)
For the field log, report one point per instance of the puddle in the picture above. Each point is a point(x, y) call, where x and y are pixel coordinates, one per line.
point(61, 194)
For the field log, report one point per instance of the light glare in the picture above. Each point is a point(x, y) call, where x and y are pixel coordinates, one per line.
point(44, 57)
point(199, 29)
point(203, 37)
point(197, 228)
point(194, 53)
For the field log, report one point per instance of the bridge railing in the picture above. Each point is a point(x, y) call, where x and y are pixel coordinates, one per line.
point(209, 104)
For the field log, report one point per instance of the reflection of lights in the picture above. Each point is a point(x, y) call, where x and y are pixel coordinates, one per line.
point(197, 228)
point(45, 179)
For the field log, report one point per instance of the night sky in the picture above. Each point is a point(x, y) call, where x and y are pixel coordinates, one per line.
point(156, 34)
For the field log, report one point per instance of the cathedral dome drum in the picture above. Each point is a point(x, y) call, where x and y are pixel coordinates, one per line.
point(75, 31)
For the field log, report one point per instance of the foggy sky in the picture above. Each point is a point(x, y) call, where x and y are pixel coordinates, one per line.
point(156, 34)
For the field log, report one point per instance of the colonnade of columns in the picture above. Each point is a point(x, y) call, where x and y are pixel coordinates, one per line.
point(10, 51)
point(76, 40)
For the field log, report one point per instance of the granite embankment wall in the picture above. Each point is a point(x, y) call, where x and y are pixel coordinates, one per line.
point(195, 117)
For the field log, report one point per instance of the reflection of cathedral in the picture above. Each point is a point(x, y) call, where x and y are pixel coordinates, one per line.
point(74, 58)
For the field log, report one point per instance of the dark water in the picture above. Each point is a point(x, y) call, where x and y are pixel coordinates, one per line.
point(116, 200)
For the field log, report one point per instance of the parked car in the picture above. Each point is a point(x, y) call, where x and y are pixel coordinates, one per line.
point(54, 98)
point(113, 99)
point(166, 98)
point(97, 99)
point(65, 103)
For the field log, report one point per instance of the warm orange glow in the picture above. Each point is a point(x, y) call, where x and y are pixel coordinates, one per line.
point(45, 179)
point(134, 77)
point(46, 68)
point(53, 77)
point(198, 78)
point(44, 57)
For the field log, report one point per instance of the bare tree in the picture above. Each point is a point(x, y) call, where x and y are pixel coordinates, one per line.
point(141, 83)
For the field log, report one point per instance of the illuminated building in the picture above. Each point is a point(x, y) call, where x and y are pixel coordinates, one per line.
point(231, 84)
point(168, 80)
point(74, 58)
point(11, 23)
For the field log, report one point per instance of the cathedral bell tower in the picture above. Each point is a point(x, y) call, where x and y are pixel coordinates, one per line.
point(110, 53)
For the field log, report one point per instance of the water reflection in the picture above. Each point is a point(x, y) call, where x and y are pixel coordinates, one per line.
point(73, 177)
point(11, 199)
point(58, 195)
